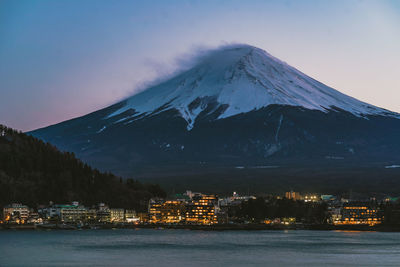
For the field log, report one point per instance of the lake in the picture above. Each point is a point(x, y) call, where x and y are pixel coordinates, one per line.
point(151, 247)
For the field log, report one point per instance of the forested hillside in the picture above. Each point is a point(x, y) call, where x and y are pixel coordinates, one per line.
point(33, 172)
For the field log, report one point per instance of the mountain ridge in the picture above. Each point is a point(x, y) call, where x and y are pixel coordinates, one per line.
point(241, 78)
point(213, 117)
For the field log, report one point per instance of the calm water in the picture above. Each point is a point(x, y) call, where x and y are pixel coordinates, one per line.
point(148, 247)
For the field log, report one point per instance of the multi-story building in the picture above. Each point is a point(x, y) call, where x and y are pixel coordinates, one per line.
point(49, 212)
point(16, 212)
point(293, 195)
point(172, 211)
point(72, 213)
point(202, 209)
point(117, 215)
point(155, 206)
point(103, 213)
point(91, 215)
point(360, 214)
point(64, 212)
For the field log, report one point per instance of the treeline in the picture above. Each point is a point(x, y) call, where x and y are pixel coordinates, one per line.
point(260, 209)
point(391, 212)
point(34, 172)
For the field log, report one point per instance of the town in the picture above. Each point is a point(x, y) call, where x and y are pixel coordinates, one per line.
point(190, 209)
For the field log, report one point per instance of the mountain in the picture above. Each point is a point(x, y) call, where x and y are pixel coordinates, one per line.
point(238, 112)
point(34, 172)
point(239, 80)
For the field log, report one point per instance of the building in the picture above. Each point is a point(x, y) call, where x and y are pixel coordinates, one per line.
point(103, 213)
point(131, 217)
point(335, 214)
point(72, 213)
point(234, 200)
point(67, 213)
point(155, 205)
point(91, 215)
point(49, 212)
point(328, 198)
point(117, 215)
point(170, 211)
point(16, 212)
point(197, 209)
point(293, 195)
point(202, 209)
point(359, 214)
point(173, 211)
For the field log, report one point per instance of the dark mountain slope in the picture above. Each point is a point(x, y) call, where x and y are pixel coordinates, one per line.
point(34, 172)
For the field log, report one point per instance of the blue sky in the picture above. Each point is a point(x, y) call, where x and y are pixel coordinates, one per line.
point(62, 59)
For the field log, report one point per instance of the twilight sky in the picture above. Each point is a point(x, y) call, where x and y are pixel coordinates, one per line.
point(63, 59)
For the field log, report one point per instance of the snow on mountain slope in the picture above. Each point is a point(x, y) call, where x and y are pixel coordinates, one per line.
point(242, 78)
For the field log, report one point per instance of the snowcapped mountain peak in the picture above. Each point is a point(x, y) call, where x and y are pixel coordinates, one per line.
point(242, 78)
point(242, 107)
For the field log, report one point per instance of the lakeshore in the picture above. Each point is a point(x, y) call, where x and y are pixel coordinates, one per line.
point(216, 227)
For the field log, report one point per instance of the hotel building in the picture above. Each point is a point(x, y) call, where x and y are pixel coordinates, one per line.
point(72, 213)
point(359, 214)
point(155, 206)
point(202, 209)
point(16, 212)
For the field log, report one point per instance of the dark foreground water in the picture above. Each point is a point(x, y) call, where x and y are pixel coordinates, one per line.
point(148, 247)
